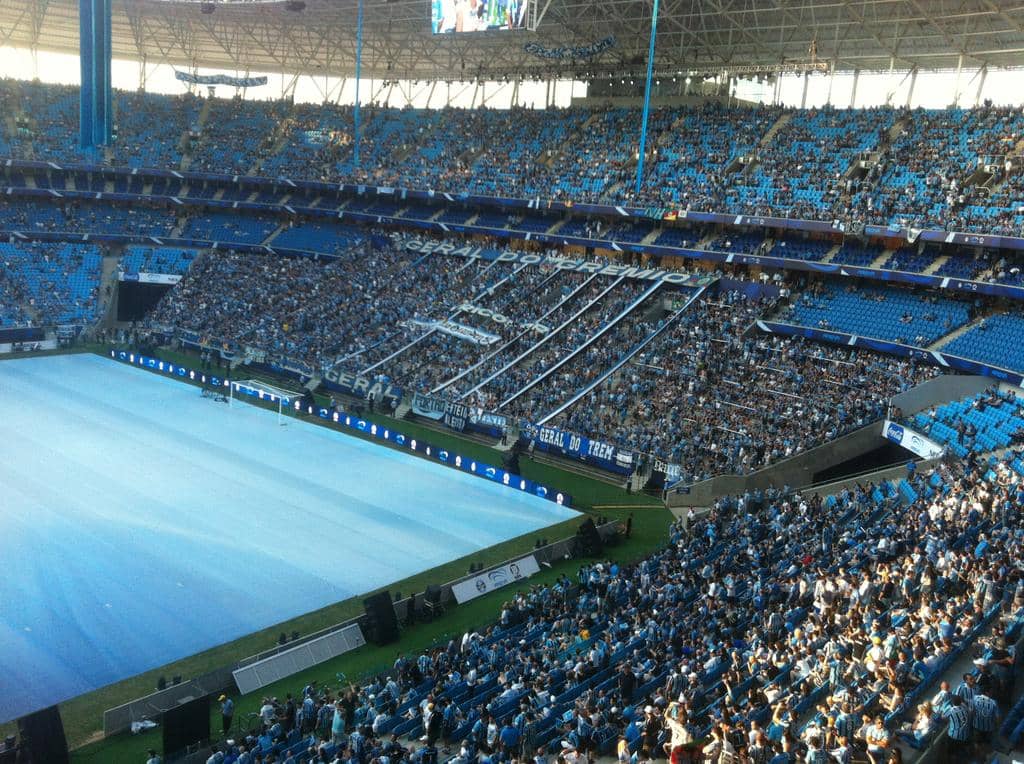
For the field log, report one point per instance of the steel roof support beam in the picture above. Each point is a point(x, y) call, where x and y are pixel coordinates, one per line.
point(95, 95)
point(647, 100)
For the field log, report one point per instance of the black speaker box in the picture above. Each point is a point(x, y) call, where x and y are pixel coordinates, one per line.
point(591, 538)
point(381, 622)
point(186, 725)
point(42, 738)
point(432, 594)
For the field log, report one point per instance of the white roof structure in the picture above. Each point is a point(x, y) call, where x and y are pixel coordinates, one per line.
point(318, 36)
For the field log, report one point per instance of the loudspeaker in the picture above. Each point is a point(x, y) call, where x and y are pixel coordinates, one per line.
point(381, 622)
point(186, 725)
point(590, 538)
point(42, 738)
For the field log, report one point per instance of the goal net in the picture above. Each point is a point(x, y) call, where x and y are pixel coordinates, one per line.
point(257, 389)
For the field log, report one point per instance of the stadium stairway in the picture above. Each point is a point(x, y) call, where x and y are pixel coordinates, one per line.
point(107, 307)
point(623, 360)
point(280, 137)
point(947, 338)
point(10, 128)
point(274, 234)
point(831, 253)
point(780, 123)
point(548, 156)
point(879, 261)
point(566, 299)
point(186, 156)
point(179, 226)
point(766, 140)
point(651, 237)
point(936, 265)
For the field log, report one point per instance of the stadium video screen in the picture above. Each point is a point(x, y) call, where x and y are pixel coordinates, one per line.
point(458, 16)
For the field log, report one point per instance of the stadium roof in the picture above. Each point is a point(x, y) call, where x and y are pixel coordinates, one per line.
point(261, 36)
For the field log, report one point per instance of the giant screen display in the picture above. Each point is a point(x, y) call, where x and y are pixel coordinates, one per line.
point(458, 16)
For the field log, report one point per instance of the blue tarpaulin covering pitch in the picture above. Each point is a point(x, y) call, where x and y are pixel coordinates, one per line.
point(141, 523)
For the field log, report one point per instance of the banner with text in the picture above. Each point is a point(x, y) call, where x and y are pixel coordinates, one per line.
point(913, 441)
point(361, 387)
point(427, 406)
point(495, 578)
point(429, 246)
point(603, 455)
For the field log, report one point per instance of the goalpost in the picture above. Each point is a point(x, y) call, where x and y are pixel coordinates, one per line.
point(263, 391)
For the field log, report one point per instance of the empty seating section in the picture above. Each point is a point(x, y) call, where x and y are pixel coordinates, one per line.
point(913, 259)
point(858, 253)
point(86, 217)
point(329, 238)
point(229, 227)
point(165, 260)
point(674, 236)
point(54, 283)
point(962, 266)
point(632, 233)
point(985, 422)
point(996, 340)
point(535, 224)
point(801, 249)
point(738, 243)
point(888, 314)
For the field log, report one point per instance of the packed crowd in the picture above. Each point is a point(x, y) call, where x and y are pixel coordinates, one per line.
point(777, 628)
point(710, 398)
point(524, 341)
point(797, 163)
point(493, 315)
point(314, 314)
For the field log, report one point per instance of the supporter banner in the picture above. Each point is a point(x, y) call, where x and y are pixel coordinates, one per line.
point(500, 319)
point(664, 475)
point(486, 420)
point(460, 331)
point(495, 578)
point(934, 357)
point(219, 79)
point(426, 406)
point(428, 246)
point(913, 441)
point(27, 346)
point(361, 387)
point(570, 52)
point(456, 415)
point(150, 278)
point(603, 455)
